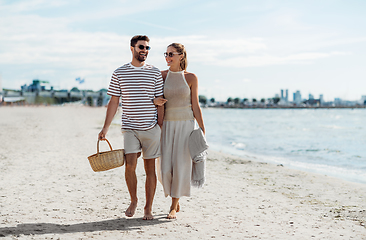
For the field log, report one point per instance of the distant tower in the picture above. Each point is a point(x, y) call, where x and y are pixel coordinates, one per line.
point(311, 96)
point(297, 97)
point(321, 98)
point(284, 97)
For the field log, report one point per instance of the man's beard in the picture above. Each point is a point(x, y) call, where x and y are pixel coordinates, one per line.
point(139, 57)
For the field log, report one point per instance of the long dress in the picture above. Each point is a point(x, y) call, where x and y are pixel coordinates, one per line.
point(176, 162)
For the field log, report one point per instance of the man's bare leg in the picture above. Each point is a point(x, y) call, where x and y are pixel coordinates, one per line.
point(150, 187)
point(131, 181)
point(174, 208)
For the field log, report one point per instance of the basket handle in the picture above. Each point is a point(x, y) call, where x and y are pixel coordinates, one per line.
point(110, 146)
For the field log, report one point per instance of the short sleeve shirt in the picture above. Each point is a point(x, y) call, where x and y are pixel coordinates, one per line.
point(137, 87)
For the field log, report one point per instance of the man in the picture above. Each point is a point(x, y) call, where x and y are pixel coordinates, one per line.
point(137, 84)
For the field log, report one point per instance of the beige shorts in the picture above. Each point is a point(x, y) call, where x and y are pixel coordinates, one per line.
point(148, 141)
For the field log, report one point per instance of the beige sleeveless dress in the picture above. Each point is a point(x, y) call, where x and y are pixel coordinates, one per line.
point(175, 160)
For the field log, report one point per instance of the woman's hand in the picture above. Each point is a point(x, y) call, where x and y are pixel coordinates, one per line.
point(159, 101)
point(203, 130)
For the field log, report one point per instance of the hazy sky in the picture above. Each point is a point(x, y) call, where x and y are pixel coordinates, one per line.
point(246, 49)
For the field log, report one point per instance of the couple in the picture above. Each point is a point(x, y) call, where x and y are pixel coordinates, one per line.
point(148, 125)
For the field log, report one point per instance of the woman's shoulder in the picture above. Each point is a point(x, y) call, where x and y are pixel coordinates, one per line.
point(190, 76)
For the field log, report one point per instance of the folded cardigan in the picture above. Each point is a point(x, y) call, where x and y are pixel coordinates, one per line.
point(197, 148)
point(197, 145)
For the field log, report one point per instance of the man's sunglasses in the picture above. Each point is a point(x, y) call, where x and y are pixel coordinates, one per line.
point(171, 54)
point(142, 47)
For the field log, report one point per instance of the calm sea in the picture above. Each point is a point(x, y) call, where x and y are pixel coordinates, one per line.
point(326, 141)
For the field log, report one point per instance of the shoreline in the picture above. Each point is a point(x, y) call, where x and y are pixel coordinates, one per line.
point(296, 165)
point(48, 190)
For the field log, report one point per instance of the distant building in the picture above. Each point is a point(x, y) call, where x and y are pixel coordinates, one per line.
point(337, 101)
point(37, 86)
point(284, 97)
point(363, 99)
point(297, 97)
point(311, 96)
point(321, 99)
point(313, 102)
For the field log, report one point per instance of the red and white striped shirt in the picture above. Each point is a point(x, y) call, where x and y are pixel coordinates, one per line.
point(137, 87)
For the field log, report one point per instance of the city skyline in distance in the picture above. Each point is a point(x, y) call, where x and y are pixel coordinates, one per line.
point(251, 50)
point(296, 97)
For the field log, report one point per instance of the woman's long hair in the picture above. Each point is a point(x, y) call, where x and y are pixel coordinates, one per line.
point(182, 50)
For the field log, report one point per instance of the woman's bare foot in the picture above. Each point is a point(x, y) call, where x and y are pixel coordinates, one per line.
point(131, 209)
point(174, 208)
point(172, 214)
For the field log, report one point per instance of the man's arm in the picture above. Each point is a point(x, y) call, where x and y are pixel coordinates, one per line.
point(111, 111)
point(159, 96)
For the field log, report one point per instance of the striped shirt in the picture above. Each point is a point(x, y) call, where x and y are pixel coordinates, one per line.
point(137, 87)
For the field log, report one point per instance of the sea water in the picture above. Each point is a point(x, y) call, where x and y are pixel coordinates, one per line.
point(326, 141)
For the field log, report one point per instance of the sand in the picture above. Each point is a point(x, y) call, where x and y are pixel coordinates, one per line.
point(48, 190)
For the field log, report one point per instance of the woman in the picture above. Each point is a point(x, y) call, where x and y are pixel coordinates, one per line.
point(181, 108)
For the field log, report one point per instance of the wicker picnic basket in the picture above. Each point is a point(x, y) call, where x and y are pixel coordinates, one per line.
point(102, 161)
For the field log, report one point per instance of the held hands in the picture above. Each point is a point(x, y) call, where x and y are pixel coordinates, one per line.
point(159, 101)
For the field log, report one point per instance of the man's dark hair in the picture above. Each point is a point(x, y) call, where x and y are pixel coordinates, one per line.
point(138, 38)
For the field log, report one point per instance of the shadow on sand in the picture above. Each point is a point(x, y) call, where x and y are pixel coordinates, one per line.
point(120, 224)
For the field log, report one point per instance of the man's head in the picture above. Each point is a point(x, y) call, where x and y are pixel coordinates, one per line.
point(140, 47)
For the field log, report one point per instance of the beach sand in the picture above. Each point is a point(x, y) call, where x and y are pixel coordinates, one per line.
point(49, 191)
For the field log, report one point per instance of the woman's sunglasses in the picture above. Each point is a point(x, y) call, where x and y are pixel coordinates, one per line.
point(171, 54)
point(142, 47)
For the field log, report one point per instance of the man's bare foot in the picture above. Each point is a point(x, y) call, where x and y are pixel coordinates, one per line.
point(148, 215)
point(131, 209)
point(172, 214)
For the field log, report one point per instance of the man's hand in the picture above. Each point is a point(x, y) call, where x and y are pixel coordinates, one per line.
point(102, 134)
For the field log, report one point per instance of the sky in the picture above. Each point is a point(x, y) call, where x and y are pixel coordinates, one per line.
point(246, 49)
